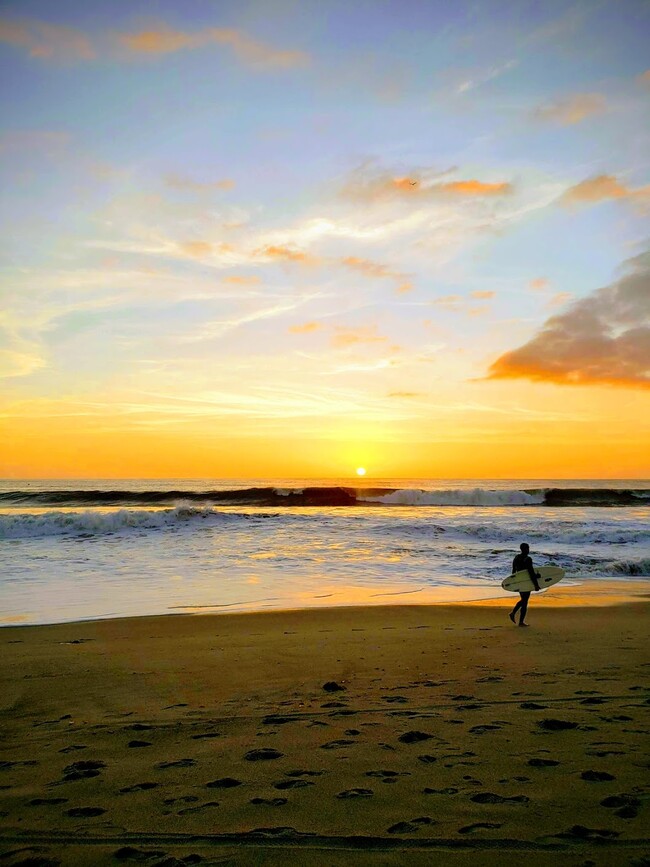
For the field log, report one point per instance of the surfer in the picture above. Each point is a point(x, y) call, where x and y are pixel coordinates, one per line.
point(524, 561)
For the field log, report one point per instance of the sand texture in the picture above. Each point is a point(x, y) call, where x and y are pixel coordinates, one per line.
point(388, 735)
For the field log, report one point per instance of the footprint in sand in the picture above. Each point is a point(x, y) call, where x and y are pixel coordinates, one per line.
point(414, 737)
point(387, 776)
point(7, 766)
point(269, 802)
point(207, 735)
point(542, 763)
point(481, 730)
point(292, 784)
point(556, 725)
point(394, 699)
point(263, 755)
point(73, 748)
point(411, 826)
point(183, 799)
point(625, 806)
point(301, 773)
point(180, 763)
point(588, 833)
point(428, 760)
point(224, 783)
point(82, 770)
point(85, 812)
point(138, 787)
point(356, 793)
point(135, 744)
point(596, 776)
point(277, 719)
point(491, 798)
point(332, 745)
point(446, 791)
point(333, 686)
point(207, 805)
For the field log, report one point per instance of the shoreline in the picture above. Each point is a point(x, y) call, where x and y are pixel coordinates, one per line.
point(306, 736)
point(584, 593)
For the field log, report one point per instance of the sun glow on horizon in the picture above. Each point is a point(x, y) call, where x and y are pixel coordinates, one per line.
point(361, 471)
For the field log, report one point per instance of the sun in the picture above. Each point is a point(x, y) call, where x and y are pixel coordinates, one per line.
point(361, 471)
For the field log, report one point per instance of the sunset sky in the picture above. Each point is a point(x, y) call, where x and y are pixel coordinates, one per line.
point(282, 238)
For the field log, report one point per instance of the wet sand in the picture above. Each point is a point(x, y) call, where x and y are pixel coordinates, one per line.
point(368, 735)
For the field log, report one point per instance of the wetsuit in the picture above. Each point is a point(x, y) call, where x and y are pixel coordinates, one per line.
point(523, 561)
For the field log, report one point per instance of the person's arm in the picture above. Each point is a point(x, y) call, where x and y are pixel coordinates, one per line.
point(534, 576)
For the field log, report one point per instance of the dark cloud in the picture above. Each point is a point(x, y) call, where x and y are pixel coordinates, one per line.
point(601, 339)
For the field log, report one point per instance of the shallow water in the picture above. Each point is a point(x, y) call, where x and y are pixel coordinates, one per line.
point(64, 564)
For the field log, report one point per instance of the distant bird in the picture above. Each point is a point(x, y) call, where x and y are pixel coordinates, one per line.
point(413, 183)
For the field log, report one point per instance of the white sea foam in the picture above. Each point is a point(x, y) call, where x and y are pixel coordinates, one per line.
point(457, 497)
point(94, 523)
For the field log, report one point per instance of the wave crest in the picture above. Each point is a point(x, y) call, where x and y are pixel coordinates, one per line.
point(87, 523)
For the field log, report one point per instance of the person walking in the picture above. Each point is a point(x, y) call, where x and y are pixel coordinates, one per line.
point(523, 561)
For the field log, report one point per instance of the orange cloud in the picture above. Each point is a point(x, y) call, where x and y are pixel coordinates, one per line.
point(475, 188)
point(46, 41)
point(644, 78)
point(539, 284)
point(572, 109)
point(286, 254)
point(559, 299)
point(306, 328)
point(374, 269)
point(406, 394)
point(350, 336)
point(603, 187)
point(369, 185)
point(596, 189)
point(480, 293)
point(603, 339)
point(180, 182)
point(196, 248)
point(236, 280)
point(248, 50)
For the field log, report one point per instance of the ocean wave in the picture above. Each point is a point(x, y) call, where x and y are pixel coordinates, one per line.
point(333, 496)
point(87, 523)
point(458, 497)
point(631, 567)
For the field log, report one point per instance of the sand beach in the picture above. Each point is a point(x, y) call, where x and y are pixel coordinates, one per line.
point(362, 735)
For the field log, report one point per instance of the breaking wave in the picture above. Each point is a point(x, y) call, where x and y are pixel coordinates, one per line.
point(333, 496)
point(25, 526)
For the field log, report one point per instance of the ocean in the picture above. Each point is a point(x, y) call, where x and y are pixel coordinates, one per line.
point(78, 550)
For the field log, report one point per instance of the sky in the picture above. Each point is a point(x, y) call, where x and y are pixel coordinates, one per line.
point(290, 238)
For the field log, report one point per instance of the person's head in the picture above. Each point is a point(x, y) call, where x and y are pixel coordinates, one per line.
point(524, 547)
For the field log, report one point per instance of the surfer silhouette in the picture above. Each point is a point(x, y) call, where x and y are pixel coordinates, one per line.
point(524, 561)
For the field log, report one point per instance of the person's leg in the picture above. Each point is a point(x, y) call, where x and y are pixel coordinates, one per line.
point(523, 605)
point(517, 607)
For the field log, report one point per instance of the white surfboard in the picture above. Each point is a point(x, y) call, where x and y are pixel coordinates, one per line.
point(521, 581)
